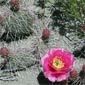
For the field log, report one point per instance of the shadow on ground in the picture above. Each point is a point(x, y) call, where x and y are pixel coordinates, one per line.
point(44, 81)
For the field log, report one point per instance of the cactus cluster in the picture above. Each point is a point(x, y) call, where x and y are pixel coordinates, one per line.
point(16, 26)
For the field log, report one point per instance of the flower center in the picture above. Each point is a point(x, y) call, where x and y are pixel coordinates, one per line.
point(58, 63)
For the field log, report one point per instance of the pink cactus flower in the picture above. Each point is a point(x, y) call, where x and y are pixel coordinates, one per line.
point(57, 64)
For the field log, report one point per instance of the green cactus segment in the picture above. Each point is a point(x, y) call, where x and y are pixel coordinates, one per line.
point(17, 26)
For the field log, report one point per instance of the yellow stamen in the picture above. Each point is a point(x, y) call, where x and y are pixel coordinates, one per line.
point(58, 63)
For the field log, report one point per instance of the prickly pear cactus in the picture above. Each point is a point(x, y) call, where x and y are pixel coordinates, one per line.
point(17, 26)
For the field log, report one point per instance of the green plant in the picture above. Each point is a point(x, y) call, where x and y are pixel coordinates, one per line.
point(68, 16)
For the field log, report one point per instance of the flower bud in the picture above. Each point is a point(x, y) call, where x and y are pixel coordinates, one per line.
point(14, 5)
point(45, 34)
point(83, 27)
point(73, 74)
point(4, 52)
point(14, 2)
